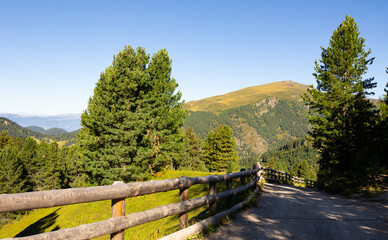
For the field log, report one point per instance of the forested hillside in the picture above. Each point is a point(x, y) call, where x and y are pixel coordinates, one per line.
point(51, 131)
point(53, 134)
point(15, 130)
point(257, 127)
point(262, 117)
point(297, 157)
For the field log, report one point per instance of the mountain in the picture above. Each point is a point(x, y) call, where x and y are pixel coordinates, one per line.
point(262, 117)
point(50, 131)
point(36, 129)
point(69, 122)
point(280, 90)
point(15, 130)
point(55, 131)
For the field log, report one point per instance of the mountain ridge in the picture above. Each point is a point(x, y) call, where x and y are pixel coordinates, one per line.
point(13, 129)
point(68, 122)
point(51, 131)
point(248, 95)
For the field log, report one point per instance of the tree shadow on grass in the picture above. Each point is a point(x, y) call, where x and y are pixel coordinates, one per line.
point(41, 225)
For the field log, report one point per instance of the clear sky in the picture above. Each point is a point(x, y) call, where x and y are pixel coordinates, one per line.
point(52, 52)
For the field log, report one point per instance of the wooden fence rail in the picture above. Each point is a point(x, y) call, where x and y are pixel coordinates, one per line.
point(118, 193)
point(53, 198)
point(271, 174)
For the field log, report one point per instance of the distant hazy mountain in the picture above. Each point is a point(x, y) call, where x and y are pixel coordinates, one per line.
point(36, 129)
point(15, 130)
point(53, 134)
point(69, 122)
point(55, 131)
point(50, 131)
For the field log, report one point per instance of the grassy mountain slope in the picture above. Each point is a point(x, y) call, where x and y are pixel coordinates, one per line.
point(279, 90)
point(49, 219)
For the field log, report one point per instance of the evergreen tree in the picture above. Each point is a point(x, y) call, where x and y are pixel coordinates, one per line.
point(4, 139)
point(220, 150)
point(53, 175)
point(192, 152)
point(382, 130)
point(73, 171)
point(38, 166)
point(341, 116)
point(131, 126)
point(13, 174)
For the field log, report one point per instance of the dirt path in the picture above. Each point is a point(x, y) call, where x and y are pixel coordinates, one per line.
point(285, 212)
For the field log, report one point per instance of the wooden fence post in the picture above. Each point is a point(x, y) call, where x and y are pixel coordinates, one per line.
point(243, 180)
point(229, 186)
point(212, 206)
point(183, 217)
point(118, 210)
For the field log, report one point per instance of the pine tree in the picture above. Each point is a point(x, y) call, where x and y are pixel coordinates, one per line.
point(382, 130)
point(4, 139)
point(73, 172)
point(13, 174)
point(53, 175)
point(341, 116)
point(38, 166)
point(220, 150)
point(192, 152)
point(131, 126)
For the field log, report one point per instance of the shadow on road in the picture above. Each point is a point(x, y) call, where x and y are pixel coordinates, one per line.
point(286, 212)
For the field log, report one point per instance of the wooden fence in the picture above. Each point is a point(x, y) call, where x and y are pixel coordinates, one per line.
point(117, 192)
point(283, 177)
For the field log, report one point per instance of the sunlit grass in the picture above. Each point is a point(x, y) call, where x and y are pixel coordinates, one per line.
point(281, 90)
point(46, 220)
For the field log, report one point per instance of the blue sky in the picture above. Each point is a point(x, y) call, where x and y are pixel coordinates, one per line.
point(52, 52)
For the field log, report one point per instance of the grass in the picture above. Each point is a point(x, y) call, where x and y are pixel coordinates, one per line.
point(50, 219)
point(280, 90)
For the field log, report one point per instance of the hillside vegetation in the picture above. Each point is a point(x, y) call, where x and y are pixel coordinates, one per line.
point(245, 96)
point(50, 135)
point(257, 127)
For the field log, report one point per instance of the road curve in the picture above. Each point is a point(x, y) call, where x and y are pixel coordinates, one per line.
point(285, 212)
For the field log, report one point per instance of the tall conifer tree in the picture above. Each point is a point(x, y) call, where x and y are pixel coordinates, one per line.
point(220, 150)
point(131, 126)
point(382, 130)
point(342, 117)
point(13, 174)
point(192, 152)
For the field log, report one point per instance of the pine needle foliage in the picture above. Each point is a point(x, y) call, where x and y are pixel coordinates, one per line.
point(131, 127)
point(220, 152)
point(342, 117)
point(192, 152)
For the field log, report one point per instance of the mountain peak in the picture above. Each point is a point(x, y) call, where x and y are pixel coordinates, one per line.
point(280, 90)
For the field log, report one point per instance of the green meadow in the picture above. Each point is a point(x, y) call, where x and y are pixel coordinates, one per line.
point(50, 219)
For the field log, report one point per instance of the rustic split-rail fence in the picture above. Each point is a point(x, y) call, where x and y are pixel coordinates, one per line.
point(119, 191)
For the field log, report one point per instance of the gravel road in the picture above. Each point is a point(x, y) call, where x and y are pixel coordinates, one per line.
point(285, 212)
